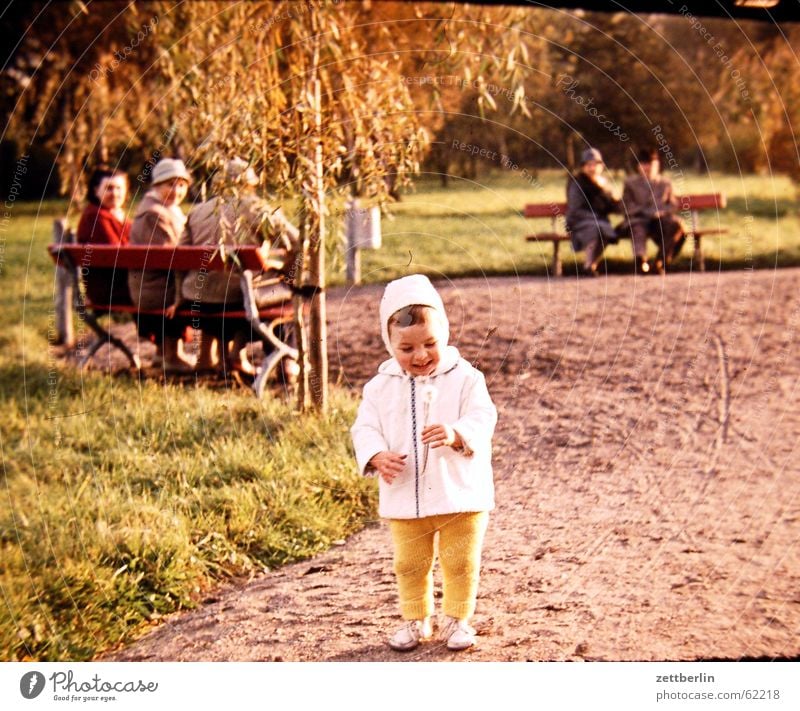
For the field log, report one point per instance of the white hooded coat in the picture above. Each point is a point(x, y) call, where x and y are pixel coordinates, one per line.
point(396, 407)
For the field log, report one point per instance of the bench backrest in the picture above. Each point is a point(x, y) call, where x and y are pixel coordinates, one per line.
point(183, 258)
point(545, 209)
point(709, 201)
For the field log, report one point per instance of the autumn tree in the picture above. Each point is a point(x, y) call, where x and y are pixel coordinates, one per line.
point(332, 99)
point(76, 82)
point(315, 97)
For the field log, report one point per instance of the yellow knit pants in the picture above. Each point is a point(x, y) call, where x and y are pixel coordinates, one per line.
point(460, 541)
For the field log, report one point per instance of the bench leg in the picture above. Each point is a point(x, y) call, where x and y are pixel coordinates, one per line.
point(267, 333)
point(96, 345)
point(90, 319)
point(63, 307)
point(272, 361)
point(102, 337)
point(698, 253)
point(558, 268)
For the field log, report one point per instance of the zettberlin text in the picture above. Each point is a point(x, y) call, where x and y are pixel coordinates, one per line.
point(702, 678)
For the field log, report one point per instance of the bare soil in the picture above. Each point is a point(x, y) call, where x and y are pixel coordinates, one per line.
point(648, 486)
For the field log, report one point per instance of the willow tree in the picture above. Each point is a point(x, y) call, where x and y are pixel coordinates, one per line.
point(291, 89)
point(313, 95)
point(77, 82)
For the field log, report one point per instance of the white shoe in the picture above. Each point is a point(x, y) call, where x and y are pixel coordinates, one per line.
point(457, 633)
point(411, 634)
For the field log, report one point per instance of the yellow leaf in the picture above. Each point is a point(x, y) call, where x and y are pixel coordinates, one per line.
point(511, 59)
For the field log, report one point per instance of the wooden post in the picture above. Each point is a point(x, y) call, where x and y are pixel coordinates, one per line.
point(363, 230)
point(353, 264)
point(62, 297)
point(353, 254)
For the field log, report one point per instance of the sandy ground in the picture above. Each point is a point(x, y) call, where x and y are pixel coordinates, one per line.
point(647, 481)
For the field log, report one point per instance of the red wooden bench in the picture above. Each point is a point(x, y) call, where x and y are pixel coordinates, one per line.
point(248, 261)
point(690, 208)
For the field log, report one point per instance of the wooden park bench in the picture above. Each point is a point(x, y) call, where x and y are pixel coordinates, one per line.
point(691, 204)
point(250, 262)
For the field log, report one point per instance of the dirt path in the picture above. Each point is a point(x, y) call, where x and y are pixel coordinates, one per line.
point(647, 482)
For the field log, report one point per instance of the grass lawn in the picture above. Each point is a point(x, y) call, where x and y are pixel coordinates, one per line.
point(475, 227)
point(124, 501)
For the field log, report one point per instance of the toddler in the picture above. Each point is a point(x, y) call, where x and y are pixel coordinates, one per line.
point(425, 428)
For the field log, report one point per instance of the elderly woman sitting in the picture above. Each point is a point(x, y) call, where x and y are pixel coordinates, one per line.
point(589, 202)
point(237, 216)
point(160, 221)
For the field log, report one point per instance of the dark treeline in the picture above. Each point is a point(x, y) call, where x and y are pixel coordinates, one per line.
point(711, 94)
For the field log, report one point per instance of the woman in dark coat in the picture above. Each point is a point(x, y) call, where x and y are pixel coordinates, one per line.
point(589, 202)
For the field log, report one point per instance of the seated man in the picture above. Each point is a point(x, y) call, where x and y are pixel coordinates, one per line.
point(589, 202)
point(650, 207)
point(239, 218)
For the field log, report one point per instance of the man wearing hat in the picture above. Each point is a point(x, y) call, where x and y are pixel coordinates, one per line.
point(159, 221)
point(589, 202)
point(651, 207)
point(233, 217)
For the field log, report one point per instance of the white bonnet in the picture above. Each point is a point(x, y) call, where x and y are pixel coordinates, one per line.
point(410, 290)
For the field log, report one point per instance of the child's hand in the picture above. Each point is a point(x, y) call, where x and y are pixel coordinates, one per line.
point(441, 436)
point(388, 464)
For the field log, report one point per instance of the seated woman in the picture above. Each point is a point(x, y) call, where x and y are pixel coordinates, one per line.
point(238, 217)
point(651, 207)
point(589, 202)
point(159, 221)
point(104, 222)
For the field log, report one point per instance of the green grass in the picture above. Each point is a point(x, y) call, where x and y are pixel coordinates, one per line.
point(474, 228)
point(124, 501)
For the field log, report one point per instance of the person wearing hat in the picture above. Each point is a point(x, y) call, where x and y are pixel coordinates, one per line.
point(160, 221)
point(589, 202)
point(235, 216)
point(650, 207)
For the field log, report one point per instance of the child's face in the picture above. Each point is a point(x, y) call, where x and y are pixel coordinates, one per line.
point(417, 348)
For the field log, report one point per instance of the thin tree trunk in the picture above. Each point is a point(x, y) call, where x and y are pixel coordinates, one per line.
point(299, 304)
point(318, 337)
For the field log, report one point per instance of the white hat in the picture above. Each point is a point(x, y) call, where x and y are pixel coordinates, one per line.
point(169, 168)
point(410, 290)
point(237, 170)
